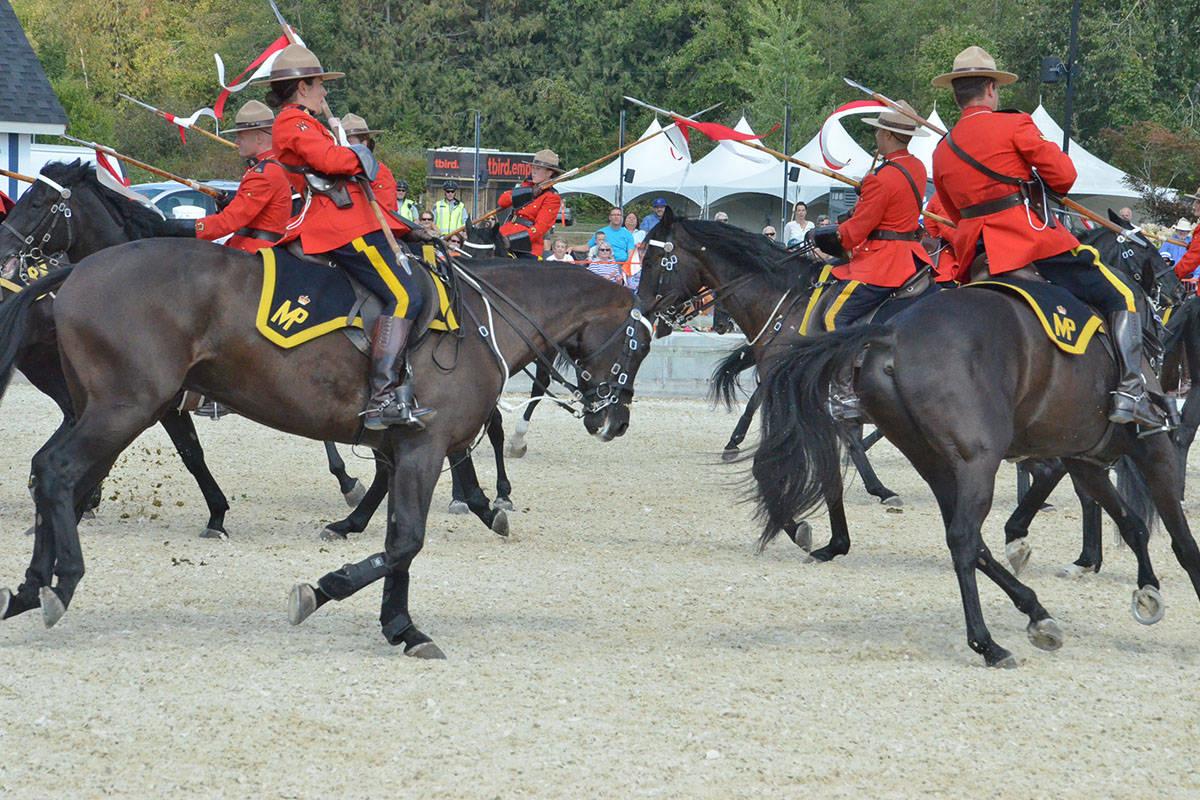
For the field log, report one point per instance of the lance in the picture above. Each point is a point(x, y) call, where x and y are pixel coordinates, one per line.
point(1082, 211)
point(16, 176)
point(792, 160)
point(171, 118)
point(143, 165)
point(577, 170)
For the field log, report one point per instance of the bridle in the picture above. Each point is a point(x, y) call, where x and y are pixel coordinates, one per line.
point(31, 256)
point(1155, 294)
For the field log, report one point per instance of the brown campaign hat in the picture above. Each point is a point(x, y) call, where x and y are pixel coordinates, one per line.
point(545, 158)
point(354, 125)
point(296, 61)
point(896, 122)
point(254, 116)
point(974, 62)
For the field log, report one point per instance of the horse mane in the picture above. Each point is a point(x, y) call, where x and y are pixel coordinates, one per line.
point(751, 252)
point(137, 220)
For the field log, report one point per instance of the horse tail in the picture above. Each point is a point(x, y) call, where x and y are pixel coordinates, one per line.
point(798, 453)
point(725, 384)
point(1136, 493)
point(14, 321)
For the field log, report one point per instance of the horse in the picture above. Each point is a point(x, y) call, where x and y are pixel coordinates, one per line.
point(191, 325)
point(766, 289)
point(955, 404)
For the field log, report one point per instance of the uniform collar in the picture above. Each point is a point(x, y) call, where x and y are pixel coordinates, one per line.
point(256, 160)
point(299, 107)
point(971, 111)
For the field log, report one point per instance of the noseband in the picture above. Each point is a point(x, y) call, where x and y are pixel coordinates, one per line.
point(607, 392)
point(32, 257)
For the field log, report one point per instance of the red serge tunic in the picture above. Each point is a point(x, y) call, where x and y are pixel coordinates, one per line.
point(1008, 143)
point(384, 187)
point(301, 140)
point(947, 268)
point(1190, 261)
point(540, 213)
point(886, 202)
point(263, 202)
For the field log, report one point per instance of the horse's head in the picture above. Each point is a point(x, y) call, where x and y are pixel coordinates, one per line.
point(670, 280)
point(607, 361)
point(484, 240)
point(1133, 254)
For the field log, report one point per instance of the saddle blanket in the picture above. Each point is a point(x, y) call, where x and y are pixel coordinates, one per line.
point(1068, 321)
point(302, 300)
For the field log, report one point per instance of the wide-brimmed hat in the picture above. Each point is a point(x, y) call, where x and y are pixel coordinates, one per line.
point(294, 62)
point(254, 116)
point(1184, 225)
point(896, 122)
point(974, 62)
point(547, 159)
point(354, 125)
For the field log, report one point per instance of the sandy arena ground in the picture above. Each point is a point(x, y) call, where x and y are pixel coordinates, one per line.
point(626, 641)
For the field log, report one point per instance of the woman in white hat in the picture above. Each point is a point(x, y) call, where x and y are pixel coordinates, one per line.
point(338, 221)
point(534, 208)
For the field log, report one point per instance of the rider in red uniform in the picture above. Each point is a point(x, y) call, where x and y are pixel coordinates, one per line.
point(977, 168)
point(338, 221)
point(1191, 259)
point(259, 212)
point(535, 208)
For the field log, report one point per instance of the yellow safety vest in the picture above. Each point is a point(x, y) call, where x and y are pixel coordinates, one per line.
point(448, 217)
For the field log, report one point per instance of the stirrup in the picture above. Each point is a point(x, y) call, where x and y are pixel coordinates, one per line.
point(391, 412)
point(844, 408)
point(1139, 411)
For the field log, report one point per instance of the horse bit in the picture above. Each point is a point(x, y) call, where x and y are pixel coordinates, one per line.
point(32, 257)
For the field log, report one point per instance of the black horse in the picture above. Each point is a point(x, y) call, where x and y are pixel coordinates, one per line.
point(956, 405)
point(191, 326)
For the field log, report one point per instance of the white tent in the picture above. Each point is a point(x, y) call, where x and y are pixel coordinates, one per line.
point(657, 166)
point(922, 146)
point(730, 162)
point(1096, 177)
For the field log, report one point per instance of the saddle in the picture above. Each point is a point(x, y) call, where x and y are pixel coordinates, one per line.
point(304, 298)
point(822, 301)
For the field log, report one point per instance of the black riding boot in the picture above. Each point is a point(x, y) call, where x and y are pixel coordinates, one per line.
point(843, 400)
point(1131, 403)
point(391, 400)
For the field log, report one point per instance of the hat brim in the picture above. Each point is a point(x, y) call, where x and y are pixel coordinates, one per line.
point(325, 75)
point(543, 165)
point(363, 133)
point(876, 122)
point(1002, 78)
point(266, 126)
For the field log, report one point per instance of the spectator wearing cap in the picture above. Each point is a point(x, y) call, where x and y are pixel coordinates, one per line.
point(798, 226)
point(385, 186)
point(408, 209)
point(449, 213)
point(1174, 252)
point(534, 207)
point(660, 207)
point(620, 239)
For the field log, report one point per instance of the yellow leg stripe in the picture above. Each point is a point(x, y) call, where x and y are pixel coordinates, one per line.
point(1126, 292)
point(831, 314)
point(386, 273)
point(812, 301)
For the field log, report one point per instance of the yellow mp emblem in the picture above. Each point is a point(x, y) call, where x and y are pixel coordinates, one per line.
point(285, 316)
point(1064, 327)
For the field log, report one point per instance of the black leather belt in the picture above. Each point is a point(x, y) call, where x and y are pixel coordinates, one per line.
point(895, 236)
point(528, 223)
point(992, 206)
point(258, 233)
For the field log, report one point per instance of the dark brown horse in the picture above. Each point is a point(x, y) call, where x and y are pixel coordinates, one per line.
point(181, 315)
point(956, 404)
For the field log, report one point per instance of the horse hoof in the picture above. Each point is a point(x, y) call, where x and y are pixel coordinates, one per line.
point(893, 501)
point(1006, 662)
point(356, 494)
point(730, 454)
point(803, 536)
point(5, 599)
point(89, 514)
point(52, 607)
point(515, 450)
point(302, 601)
point(459, 507)
point(502, 504)
point(1045, 634)
point(427, 650)
point(1018, 551)
point(1074, 571)
point(500, 523)
point(331, 535)
point(1148, 606)
point(213, 533)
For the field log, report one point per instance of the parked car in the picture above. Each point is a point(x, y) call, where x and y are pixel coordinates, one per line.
point(177, 201)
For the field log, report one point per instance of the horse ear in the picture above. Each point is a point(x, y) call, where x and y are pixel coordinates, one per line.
point(668, 219)
point(1116, 219)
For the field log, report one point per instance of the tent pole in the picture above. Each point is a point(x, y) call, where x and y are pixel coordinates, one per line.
point(787, 148)
point(1066, 145)
point(621, 164)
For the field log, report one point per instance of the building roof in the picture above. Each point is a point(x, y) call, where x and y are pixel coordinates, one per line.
point(25, 92)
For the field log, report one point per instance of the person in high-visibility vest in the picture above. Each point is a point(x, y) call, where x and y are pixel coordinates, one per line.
point(449, 213)
point(408, 209)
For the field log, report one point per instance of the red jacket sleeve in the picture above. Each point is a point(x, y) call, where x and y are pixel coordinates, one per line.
point(306, 137)
point(385, 189)
point(547, 213)
point(505, 200)
point(872, 202)
point(1055, 166)
point(253, 193)
point(1190, 261)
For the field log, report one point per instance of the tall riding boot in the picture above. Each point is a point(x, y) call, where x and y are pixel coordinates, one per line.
point(843, 399)
point(1130, 401)
point(391, 401)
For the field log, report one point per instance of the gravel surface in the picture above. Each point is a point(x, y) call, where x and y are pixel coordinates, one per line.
point(625, 641)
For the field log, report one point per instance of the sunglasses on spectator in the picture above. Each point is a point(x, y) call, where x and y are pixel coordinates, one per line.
point(426, 219)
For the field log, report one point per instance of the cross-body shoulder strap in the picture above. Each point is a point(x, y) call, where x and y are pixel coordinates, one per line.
point(908, 177)
point(971, 161)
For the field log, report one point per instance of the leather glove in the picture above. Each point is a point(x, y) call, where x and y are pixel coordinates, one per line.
point(224, 199)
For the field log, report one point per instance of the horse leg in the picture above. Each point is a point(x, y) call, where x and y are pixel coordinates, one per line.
point(357, 521)
point(839, 535)
point(351, 488)
point(1091, 555)
point(516, 447)
point(1164, 480)
point(743, 425)
point(462, 470)
point(495, 434)
point(1046, 475)
point(180, 428)
point(852, 434)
